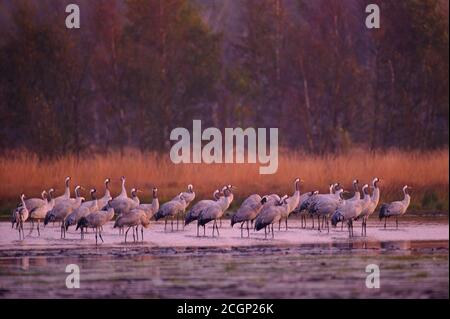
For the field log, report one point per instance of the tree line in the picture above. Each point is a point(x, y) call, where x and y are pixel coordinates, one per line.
point(136, 69)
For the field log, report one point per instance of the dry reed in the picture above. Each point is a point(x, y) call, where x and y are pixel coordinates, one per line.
point(424, 171)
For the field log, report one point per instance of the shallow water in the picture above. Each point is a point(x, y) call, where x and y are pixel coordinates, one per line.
point(299, 263)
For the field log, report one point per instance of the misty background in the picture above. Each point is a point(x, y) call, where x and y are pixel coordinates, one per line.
point(136, 69)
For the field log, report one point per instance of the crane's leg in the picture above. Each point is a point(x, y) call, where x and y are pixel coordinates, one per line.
point(183, 217)
point(204, 230)
point(100, 234)
point(39, 232)
point(171, 224)
point(272, 232)
point(220, 222)
point(177, 222)
point(214, 223)
point(279, 225)
point(82, 233)
point(248, 230)
point(318, 223)
point(96, 236)
point(165, 224)
point(351, 223)
point(31, 228)
point(126, 234)
point(328, 225)
point(385, 220)
point(217, 229)
point(362, 227)
point(286, 224)
point(142, 233)
point(198, 226)
point(312, 217)
point(242, 225)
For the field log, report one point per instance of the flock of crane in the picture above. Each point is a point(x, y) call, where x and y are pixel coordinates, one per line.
point(259, 211)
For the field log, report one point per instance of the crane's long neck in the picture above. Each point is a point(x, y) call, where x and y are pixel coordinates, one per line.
point(110, 213)
point(225, 201)
point(376, 195)
point(94, 198)
point(407, 199)
point(296, 193)
point(23, 201)
point(229, 200)
point(155, 204)
point(107, 192)
point(124, 190)
point(357, 194)
point(294, 199)
point(67, 191)
point(50, 199)
point(338, 193)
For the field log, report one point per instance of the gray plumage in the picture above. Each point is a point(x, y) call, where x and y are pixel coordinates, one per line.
point(149, 209)
point(270, 215)
point(188, 196)
point(96, 220)
point(66, 194)
point(20, 216)
point(171, 209)
point(62, 209)
point(83, 210)
point(122, 204)
point(216, 210)
point(397, 208)
point(349, 210)
point(39, 213)
point(248, 211)
point(195, 211)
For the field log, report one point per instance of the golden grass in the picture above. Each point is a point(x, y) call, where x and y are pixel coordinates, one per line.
point(424, 171)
